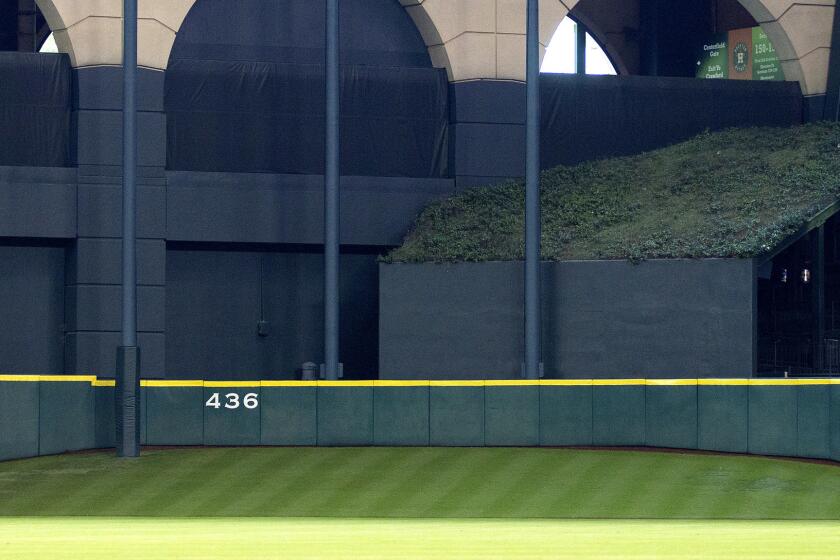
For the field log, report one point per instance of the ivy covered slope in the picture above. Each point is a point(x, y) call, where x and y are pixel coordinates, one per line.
point(736, 193)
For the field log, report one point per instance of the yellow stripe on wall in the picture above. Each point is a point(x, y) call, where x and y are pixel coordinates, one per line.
point(619, 382)
point(511, 382)
point(462, 383)
point(232, 384)
point(363, 383)
point(723, 382)
point(713, 382)
point(401, 383)
point(171, 383)
point(566, 382)
point(20, 378)
point(289, 383)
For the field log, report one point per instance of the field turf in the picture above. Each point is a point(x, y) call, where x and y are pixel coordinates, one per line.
point(417, 503)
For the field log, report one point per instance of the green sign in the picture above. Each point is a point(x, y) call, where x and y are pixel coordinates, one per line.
point(740, 54)
point(766, 65)
point(714, 61)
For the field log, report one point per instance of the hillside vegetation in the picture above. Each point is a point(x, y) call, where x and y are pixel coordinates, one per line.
point(736, 193)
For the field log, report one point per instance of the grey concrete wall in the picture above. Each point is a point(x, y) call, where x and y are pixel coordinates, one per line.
point(215, 299)
point(31, 309)
point(37, 202)
point(93, 275)
point(212, 207)
point(601, 319)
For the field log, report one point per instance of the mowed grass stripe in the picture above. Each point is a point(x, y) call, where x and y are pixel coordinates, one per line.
point(526, 489)
point(370, 487)
point(258, 539)
point(420, 482)
point(238, 480)
point(286, 482)
point(339, 476)
point(408, 485)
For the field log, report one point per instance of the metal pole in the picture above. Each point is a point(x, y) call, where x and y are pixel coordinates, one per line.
point(127, 399)
point(331, 198)
point(818, 295)
point(532, 197)
point(580, 49)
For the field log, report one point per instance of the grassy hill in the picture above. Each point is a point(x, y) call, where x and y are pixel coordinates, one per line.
point(736, 193)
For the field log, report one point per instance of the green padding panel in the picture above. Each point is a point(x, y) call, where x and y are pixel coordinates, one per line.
point(18, 420)
point(67, 417)
point(229, 421)
point(618, 415)
point(105, 427)
point(835, 422)
point(456, 416)
point(512, 416)
point(345, 415)
point(813, 424)
point(289, 416)
point(174, 415)
point(723, 412)
point(401, 416)
point(671, 416)
point(565, 415)
point(773, 420)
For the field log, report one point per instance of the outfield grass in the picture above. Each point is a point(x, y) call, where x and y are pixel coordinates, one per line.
point(420, 483)
point(254, 539)
point(417, 503)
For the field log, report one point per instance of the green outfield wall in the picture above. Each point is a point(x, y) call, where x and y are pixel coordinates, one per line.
point(43, 415)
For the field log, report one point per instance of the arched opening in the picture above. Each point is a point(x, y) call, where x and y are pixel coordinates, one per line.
point(244, 100)
point(250, 72)
point(573, 50)
point(49, 45)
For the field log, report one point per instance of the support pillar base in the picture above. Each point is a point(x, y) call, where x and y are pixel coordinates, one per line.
point(127, 401)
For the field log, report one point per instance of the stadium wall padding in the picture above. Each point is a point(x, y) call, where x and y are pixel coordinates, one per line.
point(601, 319)
point(41, 415)
point(252, 72)
point(35, 109)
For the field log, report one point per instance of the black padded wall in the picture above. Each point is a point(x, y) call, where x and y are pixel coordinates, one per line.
point(373, 32)
point(591, 117)
point(245, 91)
point(215, 300)
point(35, 104)
point(31, 309)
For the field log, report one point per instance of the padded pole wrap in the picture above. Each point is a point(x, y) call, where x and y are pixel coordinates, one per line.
point(127, 401)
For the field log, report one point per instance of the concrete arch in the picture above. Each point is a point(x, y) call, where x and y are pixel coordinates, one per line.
point(90, 31)
point(472, 39)
point(485, 39)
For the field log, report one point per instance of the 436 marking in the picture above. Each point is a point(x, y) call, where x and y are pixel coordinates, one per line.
point(233, 401)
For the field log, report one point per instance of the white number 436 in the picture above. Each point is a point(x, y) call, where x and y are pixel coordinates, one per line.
point(249, 401)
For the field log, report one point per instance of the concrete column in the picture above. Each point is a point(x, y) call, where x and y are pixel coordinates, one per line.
point(93, 311)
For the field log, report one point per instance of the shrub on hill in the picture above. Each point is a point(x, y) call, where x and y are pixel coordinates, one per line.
point(736, 193)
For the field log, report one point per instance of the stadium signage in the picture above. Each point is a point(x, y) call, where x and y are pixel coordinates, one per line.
point(740, 54)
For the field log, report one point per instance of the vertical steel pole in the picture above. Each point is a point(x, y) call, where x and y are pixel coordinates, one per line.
point(580, 49)
point(532, 196)
point(127, 399)
point(818, 295)
point(331, 198)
